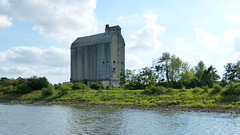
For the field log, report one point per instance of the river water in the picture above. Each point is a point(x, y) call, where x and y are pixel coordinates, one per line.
point(66, 120)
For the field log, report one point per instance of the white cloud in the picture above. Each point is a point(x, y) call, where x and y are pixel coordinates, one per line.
point(4, 3)
point(195, 57)
point(231, 34)
point(225, 51)
point(55, 75)
point(146, 38)
point(55, 71)
point(233, 59)
point(5, 21)
point(60, 19)
point(130, 19)
point(17, 71)
point(180, 43)
point(53, 63)
point(237, 44)
point(51, 57)
point(232, 38)
point(207, 38)
point(134, 62)
point(235, 18)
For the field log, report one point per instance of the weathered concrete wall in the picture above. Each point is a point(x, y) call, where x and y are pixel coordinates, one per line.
point(117, 55)
point(99, 57)
point(90, 63)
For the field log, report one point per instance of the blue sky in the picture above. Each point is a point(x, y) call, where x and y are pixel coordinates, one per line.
point(35, 36)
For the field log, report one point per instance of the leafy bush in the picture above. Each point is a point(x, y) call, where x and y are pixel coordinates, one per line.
point(8, 89)
point(48, 91)
point(237, 90)
point(70, 85)
point(216, 89)
point(23, 89)
point(79, 86)
point(205, 89)
point(231, 89)
point(158, 90)
point(64, 89)
point(108, 88)
point(95, 86)
point(37, 83)
point(196, 90)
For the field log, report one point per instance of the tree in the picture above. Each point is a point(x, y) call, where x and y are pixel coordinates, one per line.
point(37, 83)
point(129, 75)
point(187, 79)
point(136, 80)
point(230, 72)
point(147, 76)
point(209, 77)
point(122, 78)
point(3, 80)
point(168, 67)
point(175, 68)
point(162, 66)
point(199, 69)
point(238, 70)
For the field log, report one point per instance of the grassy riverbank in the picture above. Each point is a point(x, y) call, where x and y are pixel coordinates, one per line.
point(173, 98)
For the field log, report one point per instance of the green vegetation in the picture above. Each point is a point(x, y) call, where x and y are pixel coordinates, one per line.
point(48, 91)
point(170, 82)
point(199, 97)
point(95, 86)
point(171, 72)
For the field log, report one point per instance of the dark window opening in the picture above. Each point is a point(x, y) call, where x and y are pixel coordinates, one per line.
point(107, 61)
point(103, 62)
point(121, 62)
point(113, 61)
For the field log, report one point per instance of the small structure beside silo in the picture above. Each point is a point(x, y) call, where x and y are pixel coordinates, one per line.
point(98, 58)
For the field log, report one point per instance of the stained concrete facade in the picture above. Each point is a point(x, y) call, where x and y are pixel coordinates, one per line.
point(98, 58)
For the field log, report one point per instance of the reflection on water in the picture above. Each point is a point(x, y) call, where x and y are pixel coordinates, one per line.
point(63, 120)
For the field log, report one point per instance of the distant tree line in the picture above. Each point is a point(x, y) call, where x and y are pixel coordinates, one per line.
point(22, 85)
point(172, 72)
point(27, 85)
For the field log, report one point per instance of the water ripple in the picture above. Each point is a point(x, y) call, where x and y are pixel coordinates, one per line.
point(63, 120)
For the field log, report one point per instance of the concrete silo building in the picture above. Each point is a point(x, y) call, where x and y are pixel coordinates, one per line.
point(98, 58)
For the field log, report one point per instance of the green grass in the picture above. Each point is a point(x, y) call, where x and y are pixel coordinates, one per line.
point(187, 98)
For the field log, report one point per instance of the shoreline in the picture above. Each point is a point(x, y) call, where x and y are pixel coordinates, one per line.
point(115, 106)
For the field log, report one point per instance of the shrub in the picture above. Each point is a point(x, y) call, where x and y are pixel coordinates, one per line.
point(8, 89)
point(205, 89)
point(158, 90)
point(79, 86)
point(95, 86)
point(216, 89)
point(64, 89)
point(70, 85)
point(231, 89)
point(48, 91)
point(196, 90)
point(237, 90)
point(37, 83)
point(23, 89)
point(108, 88)
point(170, 90)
